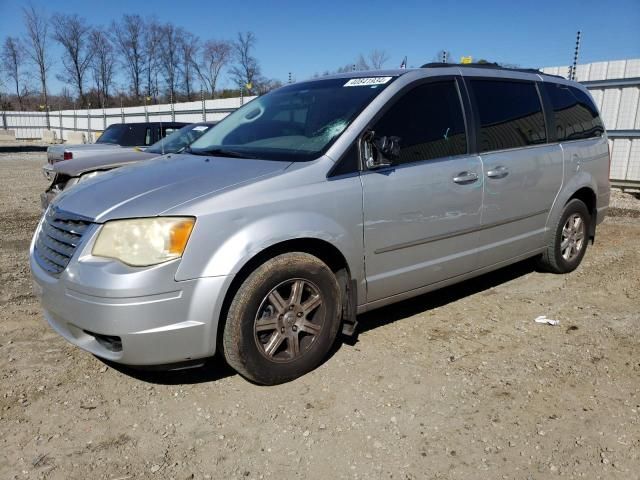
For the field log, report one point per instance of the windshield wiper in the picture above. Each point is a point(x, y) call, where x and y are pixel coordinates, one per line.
point(219, 152)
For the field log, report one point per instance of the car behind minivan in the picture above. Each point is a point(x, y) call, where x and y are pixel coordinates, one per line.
point(66, 174)
point(317, 202)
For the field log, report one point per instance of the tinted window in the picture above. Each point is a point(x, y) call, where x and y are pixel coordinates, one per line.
point(510, 114)
point(112, 134)
point(429, 122)
point(575, 115)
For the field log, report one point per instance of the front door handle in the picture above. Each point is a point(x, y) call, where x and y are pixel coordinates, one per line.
point(464, 178)
point(498, 172)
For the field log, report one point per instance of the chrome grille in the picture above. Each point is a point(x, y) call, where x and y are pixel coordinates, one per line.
point(59, 236)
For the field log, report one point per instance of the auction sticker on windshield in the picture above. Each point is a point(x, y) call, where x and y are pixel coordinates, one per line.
point(365, 82)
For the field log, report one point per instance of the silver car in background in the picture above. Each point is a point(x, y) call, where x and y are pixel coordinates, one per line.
point(118, 137)
point(65, 174)
point(319, 201)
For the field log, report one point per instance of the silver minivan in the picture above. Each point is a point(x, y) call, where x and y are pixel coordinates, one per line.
point(317, 202)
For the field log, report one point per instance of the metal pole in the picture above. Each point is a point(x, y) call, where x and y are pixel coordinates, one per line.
point(146, 110)
point(75, 117)
point(89, 123)
point(104, 118)
point(121, 111)
point(46, 107)
point(4, 120)
point(173, 113)
point(241, 96)
point(204, 107)
point(60, 121)
point(575, 56)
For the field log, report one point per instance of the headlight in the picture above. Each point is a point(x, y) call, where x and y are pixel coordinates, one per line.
point(144, 241)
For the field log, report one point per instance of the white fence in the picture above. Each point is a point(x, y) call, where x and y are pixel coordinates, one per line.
point(615, 87)
point(31, 125)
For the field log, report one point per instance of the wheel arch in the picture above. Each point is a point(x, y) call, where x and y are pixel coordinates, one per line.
point(322, 249)
point(588, 196)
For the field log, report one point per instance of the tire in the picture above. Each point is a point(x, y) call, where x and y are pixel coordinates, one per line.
point(560, 257)
point(274, 311)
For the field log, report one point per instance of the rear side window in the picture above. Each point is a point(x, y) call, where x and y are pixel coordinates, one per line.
point(133, 135)
point(576, 117)
point(510, 114)
point(429, 122)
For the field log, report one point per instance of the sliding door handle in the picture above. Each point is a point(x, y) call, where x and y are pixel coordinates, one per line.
point(464, 178)
point(498, 172)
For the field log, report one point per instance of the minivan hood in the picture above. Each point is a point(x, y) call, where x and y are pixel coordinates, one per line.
point(110, 158)
point(152, 187)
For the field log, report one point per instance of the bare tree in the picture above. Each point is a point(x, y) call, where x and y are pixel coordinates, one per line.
point(102, 63)
point(214, 56)
point(188, 45)
point(377, 59)
point(361, 63)
point(247, 68)
point(169, 58)
point(37, 30)
point(152, 42)
point(12, 62)
point(265, 85)
point(128, 36)
point(72, 32)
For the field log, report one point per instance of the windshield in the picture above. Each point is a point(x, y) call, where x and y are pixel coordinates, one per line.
point(179, 139)
point(294, 123)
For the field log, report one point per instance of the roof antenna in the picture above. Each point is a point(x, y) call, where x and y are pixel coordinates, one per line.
point(403, 65)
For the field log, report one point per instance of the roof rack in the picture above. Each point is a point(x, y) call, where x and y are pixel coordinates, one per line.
point(492, 66)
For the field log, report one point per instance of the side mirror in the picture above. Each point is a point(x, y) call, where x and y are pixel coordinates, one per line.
point(387, 149)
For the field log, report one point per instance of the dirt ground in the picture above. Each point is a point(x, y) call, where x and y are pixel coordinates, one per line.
point(460, 383)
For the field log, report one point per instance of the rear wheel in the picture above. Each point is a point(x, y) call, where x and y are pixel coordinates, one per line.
point(283, 319)
point(567, 246)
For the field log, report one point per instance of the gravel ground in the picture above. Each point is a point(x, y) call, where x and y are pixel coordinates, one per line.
point(460, 383)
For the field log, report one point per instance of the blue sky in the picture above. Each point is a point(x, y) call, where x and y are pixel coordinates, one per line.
point(307, 37)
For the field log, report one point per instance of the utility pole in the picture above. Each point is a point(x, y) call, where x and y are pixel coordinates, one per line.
point(572, 68)
point(204, 106)
point(173, 112)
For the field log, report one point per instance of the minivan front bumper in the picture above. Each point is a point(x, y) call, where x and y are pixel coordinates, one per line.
point(133, 316)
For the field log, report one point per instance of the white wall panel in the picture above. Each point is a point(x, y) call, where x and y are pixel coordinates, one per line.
point(632, 69)
point(620, 158)
point(633, 168)
point(628, 108)
point(583, 71)
point(610, 107)
point(598, 96)
point(616, 68)
point(598, 71)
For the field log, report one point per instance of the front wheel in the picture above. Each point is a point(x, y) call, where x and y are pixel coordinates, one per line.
point(283, 319)
point(568, 245)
